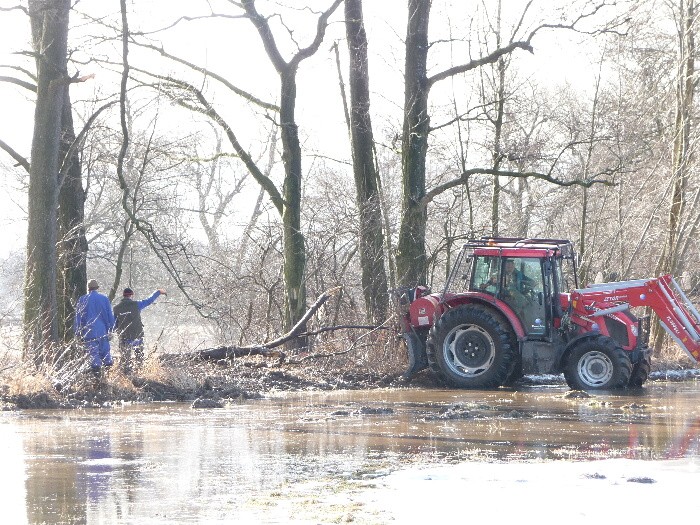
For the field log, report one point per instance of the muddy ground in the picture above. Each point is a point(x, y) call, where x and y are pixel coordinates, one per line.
point(211, 384)
point(205, 383)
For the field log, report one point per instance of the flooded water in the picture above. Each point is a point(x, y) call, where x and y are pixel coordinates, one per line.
point(252, 462)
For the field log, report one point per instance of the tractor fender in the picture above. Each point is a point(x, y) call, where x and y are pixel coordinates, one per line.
point(501, 311)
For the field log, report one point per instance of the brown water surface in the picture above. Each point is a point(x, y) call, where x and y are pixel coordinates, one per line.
point(163, 463)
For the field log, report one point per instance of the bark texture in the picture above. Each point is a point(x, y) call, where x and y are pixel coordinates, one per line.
point(411, 256)
point(374, 283)
point(49, 24)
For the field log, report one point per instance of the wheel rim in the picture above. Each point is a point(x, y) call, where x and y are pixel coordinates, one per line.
point(595, 368)
point(469, 350)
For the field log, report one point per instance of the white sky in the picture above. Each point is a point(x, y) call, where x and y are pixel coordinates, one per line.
point(238, 53)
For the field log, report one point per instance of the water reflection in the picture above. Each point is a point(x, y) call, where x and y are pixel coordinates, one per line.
point(168, 463)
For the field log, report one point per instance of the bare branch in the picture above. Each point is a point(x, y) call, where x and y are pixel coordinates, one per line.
point(488, 59)
point(31, 75)
point(207, 109)
point(21, 161)
point(78, 141)
point(268, 39)
point(464, 177)
point(238, 91)
point(320, 33)
point(187, 19)
point(15, 8)
point(22, 83)
point(524, 44)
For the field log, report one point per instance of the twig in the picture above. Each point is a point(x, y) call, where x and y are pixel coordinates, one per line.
point(342, 352)
point(225, 352)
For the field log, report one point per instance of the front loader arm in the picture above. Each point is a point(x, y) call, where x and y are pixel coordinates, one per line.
point(677, 314)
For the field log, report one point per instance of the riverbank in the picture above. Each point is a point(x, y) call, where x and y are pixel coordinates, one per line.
point(211, 384)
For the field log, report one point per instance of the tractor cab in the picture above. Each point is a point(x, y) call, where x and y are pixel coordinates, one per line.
point(522, 276)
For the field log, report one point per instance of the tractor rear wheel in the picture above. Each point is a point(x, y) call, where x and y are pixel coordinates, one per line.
point(598, 363)
point(640, 372)
point(468, 348)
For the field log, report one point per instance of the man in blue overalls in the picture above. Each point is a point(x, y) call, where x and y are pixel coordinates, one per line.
point(130, 327)
point(93, 321)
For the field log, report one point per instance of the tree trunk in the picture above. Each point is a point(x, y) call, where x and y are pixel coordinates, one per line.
point(49, 22)
point(72, 244)
point(374, 283)
point(411, 258)
point(680, 169)
point(294, 249)
point(497, 154)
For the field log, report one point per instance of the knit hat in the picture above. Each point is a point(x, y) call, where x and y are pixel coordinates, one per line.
point(93, 284)
point(128, 291)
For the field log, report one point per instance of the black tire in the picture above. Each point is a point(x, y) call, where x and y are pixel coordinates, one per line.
point(468, 348)
point(517, 373)
point(415, 353)
point(598, 363)
point(640, 372)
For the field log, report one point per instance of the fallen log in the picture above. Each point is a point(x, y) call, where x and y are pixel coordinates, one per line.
point(267, 349)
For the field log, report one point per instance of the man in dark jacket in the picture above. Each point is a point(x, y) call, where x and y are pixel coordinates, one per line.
point(130, 327)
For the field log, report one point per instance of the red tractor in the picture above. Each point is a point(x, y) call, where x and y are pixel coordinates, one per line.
point(512, 306)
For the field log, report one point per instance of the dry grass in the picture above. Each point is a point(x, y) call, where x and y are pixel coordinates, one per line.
point(671, 357)
point(178, 376)
point(25, 379)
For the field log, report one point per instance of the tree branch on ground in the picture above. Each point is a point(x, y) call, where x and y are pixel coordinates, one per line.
point(226, 352)
point(342, 352)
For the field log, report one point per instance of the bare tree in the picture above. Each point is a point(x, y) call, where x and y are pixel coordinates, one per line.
point(411, 253)
point(682, 148)
point(371, 243)
point(294, 250)
point(49, 23)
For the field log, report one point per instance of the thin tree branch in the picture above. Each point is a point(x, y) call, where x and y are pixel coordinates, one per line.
point(488, 59)
point(238, 91)
point(15, 8)
point(79, 139)
point(208, 110)
point(22, 83)
point(21, 161)
point(462, 179)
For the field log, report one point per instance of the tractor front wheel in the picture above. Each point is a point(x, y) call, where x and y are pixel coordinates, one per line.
point(598, 363)
point(468, 348)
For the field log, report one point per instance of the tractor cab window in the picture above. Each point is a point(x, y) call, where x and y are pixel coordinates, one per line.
point(486, 276)
point(566, 275)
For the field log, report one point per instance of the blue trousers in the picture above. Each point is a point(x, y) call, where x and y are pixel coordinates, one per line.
point(99, 352)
